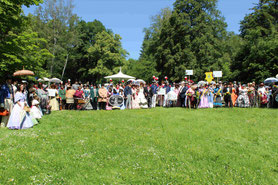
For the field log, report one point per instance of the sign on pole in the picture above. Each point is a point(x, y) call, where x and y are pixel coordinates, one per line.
point(217, 74)
point(189, 72)
point(209, 77)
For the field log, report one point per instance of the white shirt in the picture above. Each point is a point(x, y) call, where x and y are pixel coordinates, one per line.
point(52, 92)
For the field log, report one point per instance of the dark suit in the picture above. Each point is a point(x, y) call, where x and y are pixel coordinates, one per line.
point(182, 96)
point(148, 94)
point(94, 97)
point(227, 97)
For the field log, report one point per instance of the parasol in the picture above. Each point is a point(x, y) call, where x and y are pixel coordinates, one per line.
point(202, 83)
point(139, 81)
point(270, 80)
point(120, 75)
point(55, 80)
point(46, 79)
point(24, 73)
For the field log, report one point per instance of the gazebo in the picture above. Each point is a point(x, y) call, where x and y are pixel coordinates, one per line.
point(119, 75)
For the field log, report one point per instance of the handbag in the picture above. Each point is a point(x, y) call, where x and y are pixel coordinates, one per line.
point(4, 112)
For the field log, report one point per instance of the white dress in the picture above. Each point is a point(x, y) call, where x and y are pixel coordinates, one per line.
point(143, 103)
point(19, 118)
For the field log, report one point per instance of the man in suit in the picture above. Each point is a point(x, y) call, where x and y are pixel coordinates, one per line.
point(148, 94)
point(227, 91)
point(183, 90)
point(94, 96)
point(128, 96)
point(154, 88)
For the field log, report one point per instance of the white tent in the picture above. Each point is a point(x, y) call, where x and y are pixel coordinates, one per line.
point(120, 75)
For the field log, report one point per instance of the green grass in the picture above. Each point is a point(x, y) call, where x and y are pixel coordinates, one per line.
point(157, 146)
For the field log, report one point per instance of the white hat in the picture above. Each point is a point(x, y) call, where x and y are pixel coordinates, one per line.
point(35, 102)
point(69, 80)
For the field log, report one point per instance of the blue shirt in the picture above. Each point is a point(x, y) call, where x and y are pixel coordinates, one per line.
point(154, 89)
point(4, 93)
point(127, 91)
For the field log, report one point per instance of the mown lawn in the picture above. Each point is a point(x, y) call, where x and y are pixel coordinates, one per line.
point(157, 146)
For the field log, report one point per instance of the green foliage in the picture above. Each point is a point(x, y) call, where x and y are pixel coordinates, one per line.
point(258, 57)
point(156, 146)
point(191, 37)
point(107, 53)
point(19, 45)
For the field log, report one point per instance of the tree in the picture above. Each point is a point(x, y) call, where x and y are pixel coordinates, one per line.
point(58, 25)
point(107, 54)
point(258, 56)
point(19, 45)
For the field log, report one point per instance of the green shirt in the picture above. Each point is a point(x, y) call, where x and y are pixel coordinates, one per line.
point(62, 94)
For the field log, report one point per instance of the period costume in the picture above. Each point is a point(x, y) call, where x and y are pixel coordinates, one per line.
point(43, 96)
point(243, 100)
point(128, 96)
point(102, 99)
point(20, 119)
point(234, 96)
point(203, 98)
point(142, 99)
point(135, 99)
point(148, 95)
point(6, 101)
point(94, 97)
point(35, 110)
point(52, 93)
point(227, 91)
point(217, 97)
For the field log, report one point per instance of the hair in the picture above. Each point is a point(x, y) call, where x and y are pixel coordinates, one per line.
point(53, 86)
point(18, 87)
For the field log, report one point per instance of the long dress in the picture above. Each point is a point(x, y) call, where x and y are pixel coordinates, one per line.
point(243, 100)
point(135, 100)
point(142, 99)
point(53, 101)
point(20, 119)
point(217, 97)
point(203, 99)
point(234, 96)
point(43, 100)
point(210, 97)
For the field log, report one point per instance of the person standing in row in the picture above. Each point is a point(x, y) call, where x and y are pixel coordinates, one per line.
point(148, 95)
point(94, 96)
point(227, 91)
point(128, 96)
point(102, 98)
point(154, 88)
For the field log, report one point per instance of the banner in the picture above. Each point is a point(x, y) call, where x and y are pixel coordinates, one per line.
point(217, 74)
point(209, 76)
point(189, 72)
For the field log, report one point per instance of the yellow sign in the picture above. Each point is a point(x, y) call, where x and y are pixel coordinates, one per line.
point(209, 77)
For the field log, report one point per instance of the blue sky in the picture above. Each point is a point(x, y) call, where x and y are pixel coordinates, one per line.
point(129, 17)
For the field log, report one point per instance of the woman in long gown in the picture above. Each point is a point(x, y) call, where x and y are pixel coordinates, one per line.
point(43, 99)
point(217, 97)
point(243, 100)
point(203, 98)
point(234, 96)
point(52, 93)
point(135, 100)
point(142, 99)
point(210, 97)
point(20, 119)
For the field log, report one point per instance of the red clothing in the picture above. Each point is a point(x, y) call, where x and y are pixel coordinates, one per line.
point(78, 94)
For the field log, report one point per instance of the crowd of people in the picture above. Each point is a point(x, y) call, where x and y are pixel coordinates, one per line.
point(23, 104)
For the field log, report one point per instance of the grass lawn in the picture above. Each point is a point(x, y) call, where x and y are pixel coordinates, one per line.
point(157, 146)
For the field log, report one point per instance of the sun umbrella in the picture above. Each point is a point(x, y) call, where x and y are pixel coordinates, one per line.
point(55, 80)
point(120, 75)
point(270, 80)
point(212, 82)
point(202, 83)
point(40, 80)
point(139, 81)
point(45, 79)
point(24, 73)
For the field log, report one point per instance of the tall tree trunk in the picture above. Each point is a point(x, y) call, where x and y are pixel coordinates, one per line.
point(65, 66)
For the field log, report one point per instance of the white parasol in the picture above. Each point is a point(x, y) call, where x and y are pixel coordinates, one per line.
point(120, 75)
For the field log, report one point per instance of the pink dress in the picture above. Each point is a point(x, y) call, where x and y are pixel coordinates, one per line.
point(204, 103)
point(135, 100)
